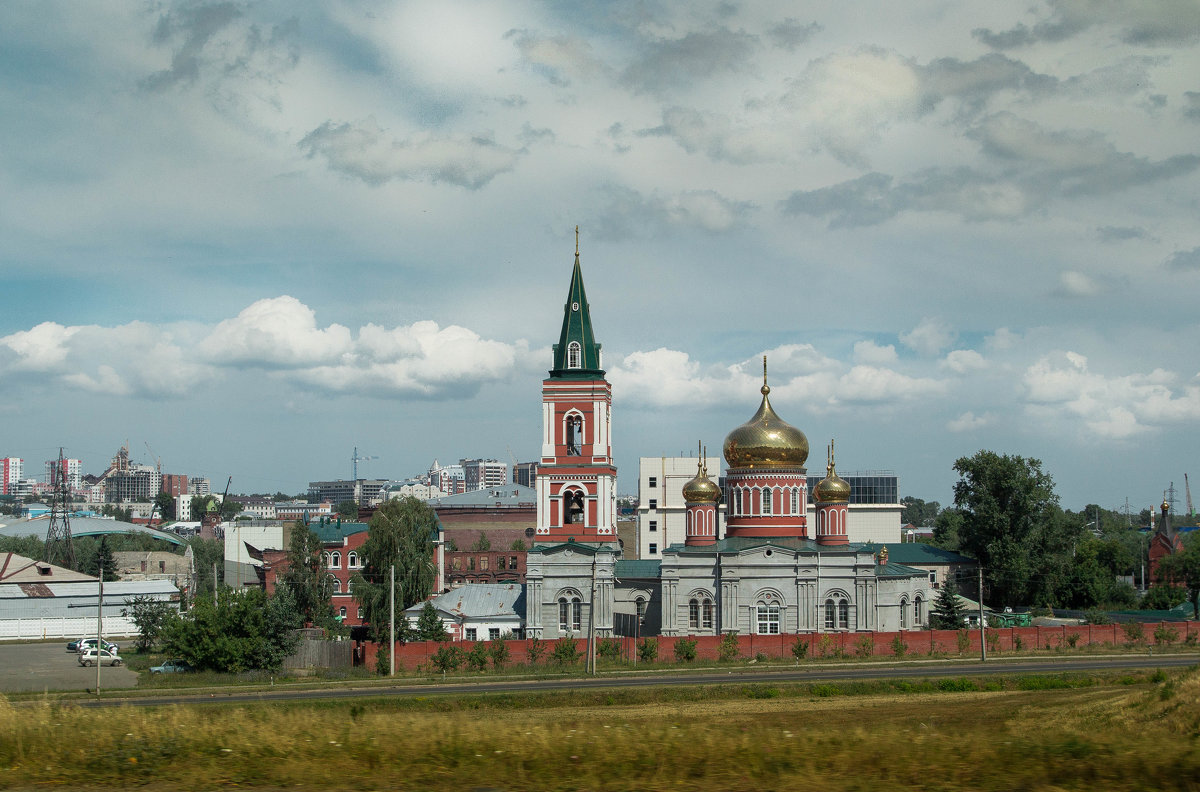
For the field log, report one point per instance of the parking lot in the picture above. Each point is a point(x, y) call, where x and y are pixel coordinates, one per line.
point(49, 666)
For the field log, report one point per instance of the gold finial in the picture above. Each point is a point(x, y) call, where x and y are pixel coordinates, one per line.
point(765, 388)
point(700, 460)
point(576, 241)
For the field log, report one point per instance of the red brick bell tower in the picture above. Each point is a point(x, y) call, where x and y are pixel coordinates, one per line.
point(576, 478)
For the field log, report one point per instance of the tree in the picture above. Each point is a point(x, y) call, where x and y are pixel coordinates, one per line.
point(401, 532)
point(305, 576)
point(242, 631)
point(918, 512)
point(207, 555)
point(151, 616)
point(102, 557)
point(429, 624)
point(165, 503)
point(347, 508)
point(482, 544)
point(518, 546)
point(945, 528)
point(947, 613)
point(1183, 568)
point(1010, 524)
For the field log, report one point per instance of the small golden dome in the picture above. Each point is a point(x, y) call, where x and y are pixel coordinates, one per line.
point(766, 440)
point(833, 488)
point(701, 489)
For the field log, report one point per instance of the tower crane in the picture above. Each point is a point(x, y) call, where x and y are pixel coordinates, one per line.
point(1187, 489)
point(355, 459)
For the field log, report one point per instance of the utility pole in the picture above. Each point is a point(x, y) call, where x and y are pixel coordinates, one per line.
point(982, 633)
point(214, 584)
point(392, 619)
point(591, 642)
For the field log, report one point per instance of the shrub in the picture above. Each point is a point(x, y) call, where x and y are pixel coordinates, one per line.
point(1190, 640)
point(800, 648)
point(1044, 610)
point(761, 657)
point(1096, 616)
point(728, 648)
point(447, 658)
point(864, 646)
point(499, 654)
point(964, 641)
point(1164, 635)
point(1073, 640)
point(899, 648)
point(609, 648)
point(1134, 633)
point(647, 650)
point(993, 640)
point(477, 658)
point(1018, 643)
point(566, 651)
point(825, 646)
point(685, 650)
point(383, 663)
point(535, 651)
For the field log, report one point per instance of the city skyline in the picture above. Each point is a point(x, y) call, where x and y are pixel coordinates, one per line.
point(254, 237)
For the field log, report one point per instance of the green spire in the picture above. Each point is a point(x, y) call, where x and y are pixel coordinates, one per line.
point(577, 355)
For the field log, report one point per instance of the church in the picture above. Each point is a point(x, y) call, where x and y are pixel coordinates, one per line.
point(759, 573)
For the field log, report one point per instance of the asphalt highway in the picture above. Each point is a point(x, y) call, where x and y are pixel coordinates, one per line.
point(827, 673)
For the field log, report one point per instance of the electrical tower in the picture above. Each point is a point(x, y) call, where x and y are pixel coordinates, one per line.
point(60, 549)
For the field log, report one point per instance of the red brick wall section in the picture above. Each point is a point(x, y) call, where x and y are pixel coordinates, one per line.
point(410, 656)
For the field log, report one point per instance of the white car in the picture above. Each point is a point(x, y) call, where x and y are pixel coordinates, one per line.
point(90, 656)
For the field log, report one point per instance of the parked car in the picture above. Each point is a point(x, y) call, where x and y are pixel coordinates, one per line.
point(90, 657)
point(172, 667)
point(73, 646)
point(90, 643)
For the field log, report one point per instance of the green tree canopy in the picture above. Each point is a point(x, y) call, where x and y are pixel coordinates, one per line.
point(166, 506)
point(1183, 569)
point(918, 512)
point(400, 533)
point(307, 579)
point(482, 544)
point(947, 612)
point(347, 508)
point(1011, 525)
point(429, 624)
point(242, 631)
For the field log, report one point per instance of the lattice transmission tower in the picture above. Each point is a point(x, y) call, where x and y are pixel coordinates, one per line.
point(60, 549)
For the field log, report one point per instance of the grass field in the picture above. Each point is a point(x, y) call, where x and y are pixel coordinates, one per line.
point(1108, 731)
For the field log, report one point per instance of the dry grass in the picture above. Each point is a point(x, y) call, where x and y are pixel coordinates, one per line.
point(1103, 734)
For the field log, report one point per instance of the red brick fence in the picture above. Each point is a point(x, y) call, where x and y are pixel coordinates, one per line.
point(849, 644)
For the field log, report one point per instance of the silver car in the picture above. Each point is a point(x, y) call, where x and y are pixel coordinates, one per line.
point(90, 657)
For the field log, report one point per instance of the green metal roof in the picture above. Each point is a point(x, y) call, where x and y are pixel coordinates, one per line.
point(638, 568)
point(920, 553)
point(577, 327)
point(335, 531)
point(892, 569)
point(740, 544)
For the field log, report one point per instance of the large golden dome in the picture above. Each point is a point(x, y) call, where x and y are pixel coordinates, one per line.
point(833, 488)
point(766, 440)
point(701, 489)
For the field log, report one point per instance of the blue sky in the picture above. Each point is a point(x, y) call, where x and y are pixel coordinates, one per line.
point(252, 236)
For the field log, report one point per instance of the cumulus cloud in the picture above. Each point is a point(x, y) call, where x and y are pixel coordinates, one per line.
point(870, 353)
point(1077, 284)
point(963, 361)
point(929, 337)
point(627, 211)
point(791, 33)
point(1185, 260)
point(665, 64)
point(280, 332)
point(42, 348)
point(1063, 387)
point(969, 421)
point(559, 59)
point(366, 151)
point(1157, 23)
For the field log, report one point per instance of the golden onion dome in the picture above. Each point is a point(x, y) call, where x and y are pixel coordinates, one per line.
point(766, 440)
point(833, 488)
point(701, 489)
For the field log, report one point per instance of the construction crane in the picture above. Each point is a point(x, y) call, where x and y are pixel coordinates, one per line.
point(157, 459)
point(1187, 489)
point(355, 459)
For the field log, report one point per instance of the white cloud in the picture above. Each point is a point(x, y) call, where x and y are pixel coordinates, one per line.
point(969, 421)
point(870, 353)
point(1063, 387)
point(42, 348)
point(883, 385)
point(1077, 284)
point(962, 361)
point(279, 332)
point(929, 337)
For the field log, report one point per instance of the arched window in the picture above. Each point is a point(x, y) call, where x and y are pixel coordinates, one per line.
point(829, 614)
point(844, 615)
point(572, 505)
point(918, 611)
point(575, 434)
point(694, 614)
point(795, 500)
point(707, 613)
point(766, 500)
point(903, 613)
point(337, 585)
point(335, 560)
point(640, 604)
point(352, 560)
point(768, 619)
point(573, 350)
point(576, 614)
point(570, 614)
point(342, 612)
point(350, 586)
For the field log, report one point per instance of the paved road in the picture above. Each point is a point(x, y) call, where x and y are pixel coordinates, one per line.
point(739, 676)
point(50, 667)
